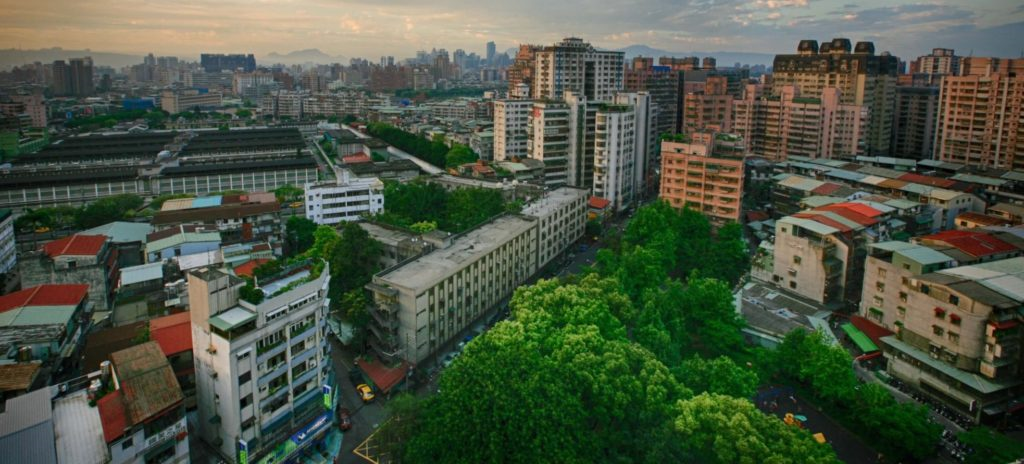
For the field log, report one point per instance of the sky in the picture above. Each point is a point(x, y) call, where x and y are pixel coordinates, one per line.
point(371, 28)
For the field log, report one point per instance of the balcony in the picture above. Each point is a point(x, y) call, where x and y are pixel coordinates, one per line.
point(387, 323)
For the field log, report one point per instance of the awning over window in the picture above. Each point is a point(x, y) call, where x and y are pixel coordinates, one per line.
point(860, 338)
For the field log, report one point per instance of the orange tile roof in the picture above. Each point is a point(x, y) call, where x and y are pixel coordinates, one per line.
point(113, 415)
point(18, 376)
point(45, 295)
point(173, 333)
point(75, 245)
point(383, 377)
point(972, 242)
point(927, 180)
point(357, 158)
point(599, 203)
point(246, 268)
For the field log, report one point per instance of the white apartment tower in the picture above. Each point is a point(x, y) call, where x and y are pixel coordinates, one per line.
point(510, 128)
point(347, 199)
point(263, 371)
point(615, 147)
point(573, 65)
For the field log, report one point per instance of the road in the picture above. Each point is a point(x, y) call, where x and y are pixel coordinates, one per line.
point(365, 417)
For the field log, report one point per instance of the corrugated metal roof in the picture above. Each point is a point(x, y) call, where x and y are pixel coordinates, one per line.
point(872, 180)
point(26, 429)
point(915, 188)
point(845, 175)
point(924, 255)
point(142, 273)
point(801, 183)
point(810, 225)
point(122, 232)
point(943, 194)
point(1013, 175)
point(974, 179)
point(816, 201)
point(892, 245)
point(902, 204)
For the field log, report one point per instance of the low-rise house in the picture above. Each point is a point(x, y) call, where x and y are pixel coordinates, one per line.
point(45, 323)
point(239, 218)
point(180, 241)
point(77, 259)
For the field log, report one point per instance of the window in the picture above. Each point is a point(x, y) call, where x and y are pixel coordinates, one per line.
point(937, 330)
point(881, 273)
point(905, 281)
point(797, 259)
point(954, 337)
point(880, 286)
point(902, 311)
point(954, 299)
point(940, 313)
point(127, 443)
point(792, 272)
point(879, 301)
point(242, 379)
point(246, 400)
point(925, 289)
point(903, 297)
point(954, 319)
point(792, 284)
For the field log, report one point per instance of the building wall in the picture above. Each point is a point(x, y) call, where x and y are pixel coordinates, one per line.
point(549, 142)
point(812, 267)
point(334, 203)
point(690, 176)
point(615, 156)
point(510, 129)
point(258, 181)
point(916, 114)
point(37, 268)
point(62, 193)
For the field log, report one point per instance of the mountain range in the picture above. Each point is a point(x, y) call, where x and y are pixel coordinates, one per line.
point(724, 59)
point(309, 55)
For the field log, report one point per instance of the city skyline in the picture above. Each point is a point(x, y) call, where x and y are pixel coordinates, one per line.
point(352, 28)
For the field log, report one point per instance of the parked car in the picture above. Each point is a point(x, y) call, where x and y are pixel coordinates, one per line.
point(365, 392)
point(344, 419)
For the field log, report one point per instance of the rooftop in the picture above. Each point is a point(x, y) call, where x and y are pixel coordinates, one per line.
point(27, 429)
point(75, 245)
point(173, 333)
point(18, 376)
point(553, 200)
point(45, 296)
point(974, 381)
point(423, 272)
point(99, 344)
point(142, 273)
point(974, 243)
point(148, 387)
point(122, 232)
point(983, 219)
point(78, 429)
point(232, 318)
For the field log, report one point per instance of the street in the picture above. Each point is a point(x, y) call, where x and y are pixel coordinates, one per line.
point(365, 417)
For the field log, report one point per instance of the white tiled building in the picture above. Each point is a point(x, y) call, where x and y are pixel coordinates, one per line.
point(348, 199)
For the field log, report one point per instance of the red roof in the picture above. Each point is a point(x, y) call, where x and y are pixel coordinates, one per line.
point(859, 208)
point(385, 378)
point(599, 203)
point(927, 180)
point(844, 210)
point(173, 333)
point(757, 216)
point(75, 245)
point(113, 415)
point(45, 295)
point(246, 268)
point(826, 188)
point(972, 242)
point(874, 331)
point(356, 158)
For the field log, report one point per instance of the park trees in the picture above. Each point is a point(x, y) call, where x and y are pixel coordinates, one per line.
point(299, 234)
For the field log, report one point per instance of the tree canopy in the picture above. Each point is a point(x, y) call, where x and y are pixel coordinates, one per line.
point(425, 203)
point(298, 233)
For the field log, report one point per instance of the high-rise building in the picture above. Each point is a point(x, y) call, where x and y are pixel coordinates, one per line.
point(61, 86)
point(573, 65)
point(980, 114)
point(620, 149)
point(549, 127)
point(521, 71)
point(705, 174)
point(264, 384)
point(510, 128)
point(708, 109)
point(663, 84)
point(491, 52)
point(860, 76)
point(792, 124)
point(915, 118)
point(942, 61)
point(213, 63)
point(178, 101)
point(646, 158)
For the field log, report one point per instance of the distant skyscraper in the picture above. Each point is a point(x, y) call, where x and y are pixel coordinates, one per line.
point(491, 51)
point(860, 76)
point(664, 86)
point(217, 62)
point(61, 86)
point(573, 65)
point(942, 61)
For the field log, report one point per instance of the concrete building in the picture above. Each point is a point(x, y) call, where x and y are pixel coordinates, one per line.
point(511, 135)
point(709, 108)
point(942, 61)
point(549, 128)
point(861, 78)
point(647, 153)
point(77, 259)
point(81, 77)
point(348, 199)
point(8, 252)
point(144, 416)
point(698, 176)
point(916, 116)
point(398, 245)
point(265, 385)
point(424, 304)
point(790, 124)
point(979, 115)
point(957, 328)
point(180, 241)
point(664, 85)
point(238, 218)
point(178, 101)
point(573, 65)
point(615, 155)
point(216, 62)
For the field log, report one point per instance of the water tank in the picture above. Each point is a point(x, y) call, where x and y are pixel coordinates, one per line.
point(24, 354)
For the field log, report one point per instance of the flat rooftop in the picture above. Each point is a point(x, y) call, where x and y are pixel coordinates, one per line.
point(554, 200)
point(437, 265)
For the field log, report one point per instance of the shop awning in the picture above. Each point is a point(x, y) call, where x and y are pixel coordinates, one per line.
point(860, 338)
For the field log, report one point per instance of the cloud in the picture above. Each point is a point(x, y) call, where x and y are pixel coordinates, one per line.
point(400, 27)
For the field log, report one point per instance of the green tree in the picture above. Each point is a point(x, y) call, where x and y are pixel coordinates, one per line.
point(722, 429)
point(325, 238)
point(468, 207)
point(109, 209)
point(459, 155)
point(990, 446)
point(730, 257)
point(355, 306)
point(354, 260)
point(713, 325)
point(243, 114)
point(719, 375)
point(288, 193)
point(251, 294)
point(423, 227)
point(299, 234)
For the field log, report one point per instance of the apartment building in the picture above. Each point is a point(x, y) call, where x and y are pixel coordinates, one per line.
point(708, 109)
point(664, 85)
point(861, 78)
point(979, 114)
point(347, 199)
point(179, 101)
point(550, 141)
point(789, 123)
point(8, 253)
point(941, 61)
point(573, 65)
point(916, 115)
point(511, 135)
point(646, 153)
point(45, 323)
point(263, 373)
point(615, 155)
point(425, 304)
point(957, 329)
point(697, 175)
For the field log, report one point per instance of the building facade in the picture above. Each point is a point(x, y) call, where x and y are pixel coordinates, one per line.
point(78, 259)
point(348, 199)
point(510, 129)
point(265, 384)
point(693, 175)
point(573, 65)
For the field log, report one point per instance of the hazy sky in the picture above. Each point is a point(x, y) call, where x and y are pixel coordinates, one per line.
point(399, 27)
